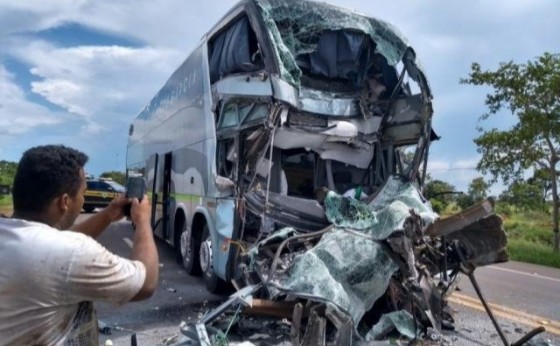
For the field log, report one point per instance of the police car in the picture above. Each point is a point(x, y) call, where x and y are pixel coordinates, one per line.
point(100, 192)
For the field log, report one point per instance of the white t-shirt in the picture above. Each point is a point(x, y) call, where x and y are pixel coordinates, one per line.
point(48, 279)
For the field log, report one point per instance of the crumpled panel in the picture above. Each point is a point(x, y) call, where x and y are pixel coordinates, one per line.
point(349, 267)
point(385, 215)
point(343, 268)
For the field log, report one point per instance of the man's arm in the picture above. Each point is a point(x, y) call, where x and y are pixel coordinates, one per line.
point(144, 247)
point(97, 223)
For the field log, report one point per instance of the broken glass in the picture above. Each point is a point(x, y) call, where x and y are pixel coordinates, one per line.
point(401, 320)
point(350, 268)
point(345, 269)
point(384, 215)
point(296, 27)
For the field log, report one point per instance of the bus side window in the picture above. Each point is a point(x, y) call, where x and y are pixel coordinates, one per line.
point(234, 50)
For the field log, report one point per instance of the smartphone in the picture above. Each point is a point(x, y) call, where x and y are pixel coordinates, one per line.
point(135, 188)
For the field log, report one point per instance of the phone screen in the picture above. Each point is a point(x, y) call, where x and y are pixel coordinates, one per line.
point(135, 187)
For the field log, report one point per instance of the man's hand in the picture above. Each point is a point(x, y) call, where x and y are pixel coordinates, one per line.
point(96, 224)
point(141, 211)
point(114, 211)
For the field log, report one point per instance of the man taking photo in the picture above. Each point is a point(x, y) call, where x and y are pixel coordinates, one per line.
point(52, 270)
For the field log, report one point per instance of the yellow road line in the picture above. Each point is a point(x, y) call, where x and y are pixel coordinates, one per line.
point(533, 321)
point(505, 309)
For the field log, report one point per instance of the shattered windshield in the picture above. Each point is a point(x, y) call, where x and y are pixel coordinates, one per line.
point(295, 28)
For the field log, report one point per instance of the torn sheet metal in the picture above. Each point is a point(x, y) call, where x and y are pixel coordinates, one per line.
point(385, 215)
point(345, 269)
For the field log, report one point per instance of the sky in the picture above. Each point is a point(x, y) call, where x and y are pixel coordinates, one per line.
point(77, 72)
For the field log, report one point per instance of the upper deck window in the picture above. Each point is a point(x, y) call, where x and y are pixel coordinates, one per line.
point(234, 50)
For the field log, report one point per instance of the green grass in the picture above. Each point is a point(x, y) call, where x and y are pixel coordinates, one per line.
point(530, 238)
point(6, 204)
point(535, 253)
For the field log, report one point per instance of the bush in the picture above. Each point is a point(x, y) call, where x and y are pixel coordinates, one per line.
point(438, 206)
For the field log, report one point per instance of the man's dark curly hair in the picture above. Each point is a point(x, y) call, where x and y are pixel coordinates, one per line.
point(44, 173)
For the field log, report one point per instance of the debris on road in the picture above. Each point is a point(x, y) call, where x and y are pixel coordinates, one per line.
point(382, 270)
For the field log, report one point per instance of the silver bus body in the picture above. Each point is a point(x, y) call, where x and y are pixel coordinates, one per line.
point(280, 102)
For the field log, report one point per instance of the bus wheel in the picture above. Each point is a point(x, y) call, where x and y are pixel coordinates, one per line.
point(190, 247)
point(213, 283)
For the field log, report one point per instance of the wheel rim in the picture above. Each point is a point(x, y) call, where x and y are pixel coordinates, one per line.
point(185, 245)
point(206, 256)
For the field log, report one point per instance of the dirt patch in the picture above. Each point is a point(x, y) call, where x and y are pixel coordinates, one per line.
point(6, 211)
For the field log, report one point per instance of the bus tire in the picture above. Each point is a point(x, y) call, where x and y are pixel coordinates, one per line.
point(189, 251)
point(213, 283)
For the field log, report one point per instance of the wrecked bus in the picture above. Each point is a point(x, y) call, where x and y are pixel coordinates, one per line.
point(287, 155)
point(280, 102)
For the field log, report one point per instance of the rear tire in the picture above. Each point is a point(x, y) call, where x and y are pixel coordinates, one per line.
point(213, 283)
point(190, 256)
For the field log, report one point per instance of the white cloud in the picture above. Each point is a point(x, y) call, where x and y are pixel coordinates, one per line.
point(438, 165)
point(93, 81)
point(17, 114)
point(168, 23)
point(466, 164)
point(102, 88)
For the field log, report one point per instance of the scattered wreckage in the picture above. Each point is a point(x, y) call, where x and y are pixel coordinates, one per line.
point(315, 124)
point(381, 269)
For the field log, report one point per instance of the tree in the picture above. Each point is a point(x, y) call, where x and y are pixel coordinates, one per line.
point(523, 196)
point(541, 178)
point(439, 193)
point(7, 172)
point(478, 189)
point(119, 177)
point(531, 92)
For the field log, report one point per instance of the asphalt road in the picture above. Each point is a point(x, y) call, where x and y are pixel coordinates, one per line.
point(522, 296)
point(526, 287)
point(179, 297)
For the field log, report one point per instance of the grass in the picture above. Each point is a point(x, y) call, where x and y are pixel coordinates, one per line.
point(6, 205)
point(535, 253)
point(530, 238)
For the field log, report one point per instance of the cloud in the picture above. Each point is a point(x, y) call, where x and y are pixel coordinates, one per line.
point(94, 82)
point(99, 89)
point(17, 114)
point(158, 23)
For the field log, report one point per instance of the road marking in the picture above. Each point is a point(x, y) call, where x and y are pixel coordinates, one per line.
point(533, 321)
point(526, 274)
point(128, 242)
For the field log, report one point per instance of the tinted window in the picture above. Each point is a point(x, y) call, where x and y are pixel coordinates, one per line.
point(234, 50)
